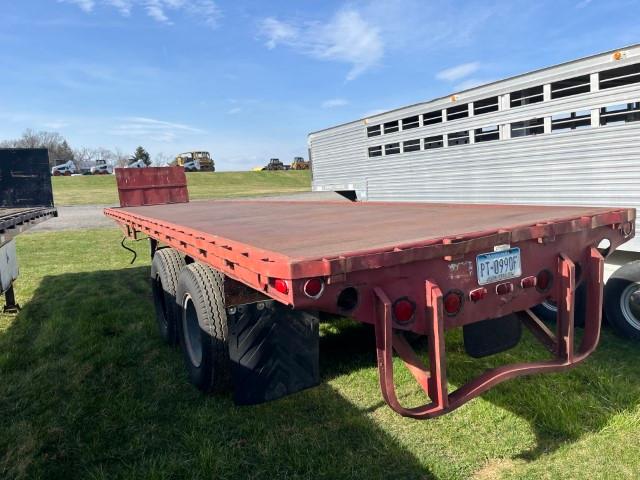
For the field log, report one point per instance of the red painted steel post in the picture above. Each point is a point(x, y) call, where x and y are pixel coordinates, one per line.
point(437, 359)
point(565, 300)
point(593, 319)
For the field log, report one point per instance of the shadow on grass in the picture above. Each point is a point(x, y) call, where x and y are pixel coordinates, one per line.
point(560, 407)
point(89, 391)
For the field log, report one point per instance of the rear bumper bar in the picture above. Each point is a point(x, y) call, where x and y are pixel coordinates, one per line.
point(433, 379)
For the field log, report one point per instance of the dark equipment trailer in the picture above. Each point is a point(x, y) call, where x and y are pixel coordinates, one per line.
point(238, 283)
point(26, 199)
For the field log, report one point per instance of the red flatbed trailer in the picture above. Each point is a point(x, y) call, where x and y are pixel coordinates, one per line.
point(424, 268)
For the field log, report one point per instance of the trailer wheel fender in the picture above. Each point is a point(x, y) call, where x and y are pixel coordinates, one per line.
point(202, 327)
point(622, 300)
point(165, 270)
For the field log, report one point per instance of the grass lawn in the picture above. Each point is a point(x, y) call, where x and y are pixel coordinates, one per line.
point(101, 189)
point(88, 390)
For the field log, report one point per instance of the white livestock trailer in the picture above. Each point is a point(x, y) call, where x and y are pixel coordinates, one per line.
point(563, 135)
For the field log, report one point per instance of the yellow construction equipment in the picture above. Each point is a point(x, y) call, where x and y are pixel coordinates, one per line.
point(195, 162)
point(299, 164)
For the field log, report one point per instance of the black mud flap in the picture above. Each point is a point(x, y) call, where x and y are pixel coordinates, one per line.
point(274, 351)
point(495, 335)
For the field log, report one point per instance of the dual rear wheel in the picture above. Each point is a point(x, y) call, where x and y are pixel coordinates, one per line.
point(190, 312)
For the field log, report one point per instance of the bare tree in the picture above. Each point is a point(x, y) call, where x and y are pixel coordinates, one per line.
point(162, 159)
point(120, 158)
point(59, 149)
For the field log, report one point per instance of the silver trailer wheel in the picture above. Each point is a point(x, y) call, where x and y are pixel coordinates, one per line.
point(622, 300)
point(191, 328)
point(630, 304)
point(203, 327)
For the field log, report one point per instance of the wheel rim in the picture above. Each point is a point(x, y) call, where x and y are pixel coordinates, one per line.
point(630, 305)
point(191, 329)
point(550, 305)
point(158, 292)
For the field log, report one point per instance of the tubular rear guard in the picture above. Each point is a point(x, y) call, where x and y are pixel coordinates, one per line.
point(433, 380)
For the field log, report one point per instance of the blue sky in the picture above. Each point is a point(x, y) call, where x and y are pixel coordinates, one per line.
point(248, 80)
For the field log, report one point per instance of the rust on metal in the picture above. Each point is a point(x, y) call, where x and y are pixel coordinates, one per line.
point(441, 402)
point(388, 251)
point(151, 186)
point(16, 220)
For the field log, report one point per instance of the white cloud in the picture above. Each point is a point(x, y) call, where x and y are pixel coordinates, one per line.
point(205, 11)
point(234, 110)
point(85, 5)
point(123, 6)
point(347, 37)
point(334, 102)
point(155, 9)
point(459, 71)
point(146, 128)
point(277, 32)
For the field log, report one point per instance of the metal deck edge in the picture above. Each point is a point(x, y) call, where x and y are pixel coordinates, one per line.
point(231, 254)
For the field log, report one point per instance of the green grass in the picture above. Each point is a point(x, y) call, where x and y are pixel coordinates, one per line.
point(102, 190)
point(87, 390)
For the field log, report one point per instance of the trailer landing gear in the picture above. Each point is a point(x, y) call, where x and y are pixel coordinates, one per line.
point(10, 305)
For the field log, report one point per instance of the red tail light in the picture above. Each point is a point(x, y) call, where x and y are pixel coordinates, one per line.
point(280, 285)
point(528, 282)
point(504, 288)
point(313, 287)
point(403, 310)
point(477, 294)
point(452, 302)
point(544, 280)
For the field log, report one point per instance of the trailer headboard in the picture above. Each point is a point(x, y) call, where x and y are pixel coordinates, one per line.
point(151, 186)
point(25, 179)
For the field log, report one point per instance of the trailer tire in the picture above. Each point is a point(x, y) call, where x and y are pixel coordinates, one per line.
point(622, 300)
point(202, 327)
point(548, 311)
point(165, 270)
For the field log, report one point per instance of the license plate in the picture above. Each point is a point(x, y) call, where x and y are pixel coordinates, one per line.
point(497, 266)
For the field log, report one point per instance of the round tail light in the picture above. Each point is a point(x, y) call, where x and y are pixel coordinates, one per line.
point(452, 302)
point(403, 310)
point(281, 286)
point(313, 287)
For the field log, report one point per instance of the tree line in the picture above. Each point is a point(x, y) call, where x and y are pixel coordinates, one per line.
point(60, 151)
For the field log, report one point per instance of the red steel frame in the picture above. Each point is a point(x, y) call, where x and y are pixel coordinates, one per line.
point(423, 273)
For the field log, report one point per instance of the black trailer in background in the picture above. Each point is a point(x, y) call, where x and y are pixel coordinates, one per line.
point(26, 198)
